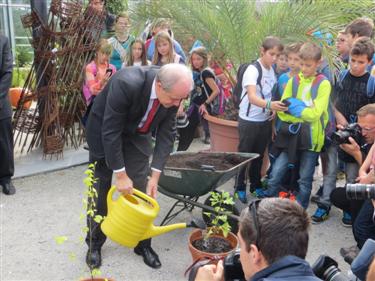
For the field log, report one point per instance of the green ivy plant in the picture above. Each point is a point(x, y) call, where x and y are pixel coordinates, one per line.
point(88, 210)
point(219, 220)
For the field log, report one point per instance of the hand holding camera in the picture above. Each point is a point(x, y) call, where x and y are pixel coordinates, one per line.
point(343, 135)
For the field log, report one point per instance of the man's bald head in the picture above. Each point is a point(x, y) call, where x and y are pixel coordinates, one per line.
point(174, 82)
point(171, 74)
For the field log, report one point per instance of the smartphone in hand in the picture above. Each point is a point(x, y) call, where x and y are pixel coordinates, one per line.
point(286, 103)
point(109, 70)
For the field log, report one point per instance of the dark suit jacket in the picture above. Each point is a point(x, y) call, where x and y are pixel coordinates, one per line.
point(118, 110)
point(6, 66)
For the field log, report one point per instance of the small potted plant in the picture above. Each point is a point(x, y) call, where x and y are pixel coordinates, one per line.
point(89, 208)
point(216, 240)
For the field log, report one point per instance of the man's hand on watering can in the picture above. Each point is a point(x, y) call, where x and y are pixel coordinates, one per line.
point(152, 185)
point(123, 183)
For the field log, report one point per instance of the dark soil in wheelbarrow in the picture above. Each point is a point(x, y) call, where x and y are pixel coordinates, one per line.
point(212, 245)
point(205, 161)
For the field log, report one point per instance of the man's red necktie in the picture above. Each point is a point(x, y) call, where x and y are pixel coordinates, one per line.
point(151, 114)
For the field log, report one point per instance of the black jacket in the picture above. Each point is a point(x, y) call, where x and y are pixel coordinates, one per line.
point(6, 66)
point(118, 110)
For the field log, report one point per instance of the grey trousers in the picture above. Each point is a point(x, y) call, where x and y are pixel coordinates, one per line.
point(329, 167)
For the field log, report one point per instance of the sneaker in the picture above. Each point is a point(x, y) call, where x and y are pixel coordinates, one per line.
point(347, 219)
point(340, 175)
point(259, 193)
point(241, 194)
point(349, 253)
point(206, 140)
point(315, 198)
point(319, 216)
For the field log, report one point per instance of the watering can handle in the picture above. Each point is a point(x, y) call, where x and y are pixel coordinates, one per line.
point(145, 197)
point(110, 197)
point(136, 192)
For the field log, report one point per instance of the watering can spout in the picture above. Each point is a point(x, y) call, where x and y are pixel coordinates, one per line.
point(158, 230)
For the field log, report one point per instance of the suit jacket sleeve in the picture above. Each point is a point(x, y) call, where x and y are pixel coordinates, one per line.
point(6, 67)
point(164, 140)
point(116, 109)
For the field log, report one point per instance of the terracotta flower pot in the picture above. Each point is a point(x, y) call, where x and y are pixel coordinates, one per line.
point(15, 95)
point(197, 254)
point(223, 134)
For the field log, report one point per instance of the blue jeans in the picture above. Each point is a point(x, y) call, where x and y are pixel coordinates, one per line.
point(306, 172)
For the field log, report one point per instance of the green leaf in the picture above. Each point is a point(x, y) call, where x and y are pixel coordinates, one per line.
point(96, 272)
point(208, 214)
point(85, 229)
point(60, 239)
point(98, 218)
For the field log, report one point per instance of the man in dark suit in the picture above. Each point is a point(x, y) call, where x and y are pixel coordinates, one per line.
point(135, 101)
point(6, 136)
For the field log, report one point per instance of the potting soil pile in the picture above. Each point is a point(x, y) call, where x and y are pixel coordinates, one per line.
point(197, 161)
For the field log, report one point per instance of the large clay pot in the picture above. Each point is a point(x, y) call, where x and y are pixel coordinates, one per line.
point(15, 95)
point(197, 254)
point(223, 134)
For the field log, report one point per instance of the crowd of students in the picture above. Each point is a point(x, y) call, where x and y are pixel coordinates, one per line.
point(291, 104)
point(312, 102)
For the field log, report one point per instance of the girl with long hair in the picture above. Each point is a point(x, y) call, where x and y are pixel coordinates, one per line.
point(204, 93)
point(164, 52)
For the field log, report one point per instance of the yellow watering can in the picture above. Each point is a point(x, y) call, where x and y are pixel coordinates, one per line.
point(130, 218)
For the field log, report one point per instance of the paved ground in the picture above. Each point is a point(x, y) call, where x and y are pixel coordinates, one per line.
point(49, 205)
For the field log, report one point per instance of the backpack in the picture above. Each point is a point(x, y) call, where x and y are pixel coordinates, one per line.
point(218, 104)
point(237, 91)
point(370, 83)
point(331, 124)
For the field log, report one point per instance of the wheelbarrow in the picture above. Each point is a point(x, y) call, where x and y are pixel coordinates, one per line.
point(186, 185)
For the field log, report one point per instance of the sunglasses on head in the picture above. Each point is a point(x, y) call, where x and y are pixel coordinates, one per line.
point(253, 208)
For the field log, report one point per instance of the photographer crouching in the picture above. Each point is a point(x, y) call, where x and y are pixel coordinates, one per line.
point(355, 199)
point(273, 237)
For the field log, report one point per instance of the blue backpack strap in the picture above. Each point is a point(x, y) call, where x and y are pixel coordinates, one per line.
point(295, 85)
point(342, 76)
point(314, 92)
point(315, 85)
point(371, 86)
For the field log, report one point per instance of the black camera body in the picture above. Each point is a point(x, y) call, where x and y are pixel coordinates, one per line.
point(233, 268)
point(351, 130)
point(360, 191)
point(327, 269)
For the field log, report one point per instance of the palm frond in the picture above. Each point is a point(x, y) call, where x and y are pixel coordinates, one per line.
point(234, 29)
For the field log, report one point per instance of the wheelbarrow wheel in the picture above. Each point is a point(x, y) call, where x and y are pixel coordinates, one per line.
point(231, 208)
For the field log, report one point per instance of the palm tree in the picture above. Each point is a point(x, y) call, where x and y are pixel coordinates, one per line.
point(234, 29)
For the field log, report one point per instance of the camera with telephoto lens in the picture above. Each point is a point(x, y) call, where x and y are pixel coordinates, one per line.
point(327, 269)
point(351, 130)
point(360, 191)
point(232, 267)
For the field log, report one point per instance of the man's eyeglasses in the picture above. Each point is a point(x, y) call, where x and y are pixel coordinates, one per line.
point(253, 207)
point(367, 130)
